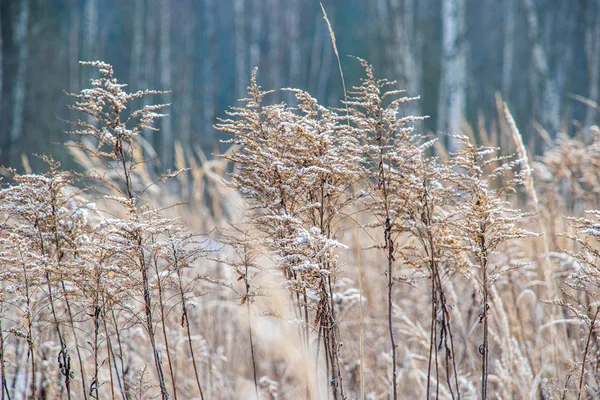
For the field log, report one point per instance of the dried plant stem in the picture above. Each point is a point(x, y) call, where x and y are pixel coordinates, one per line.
point(390, 255)
point(185, 320)
point(2, 365)
point(63, 355)
point(389, 246)
point(150, 325)
point(114, 358)
point(484, 350)
point(30, 343)
point(360, 308)
point(164, 326)
point(95, 385)
point(108, 358)
point(248, 301)
point(72, 324)
point(585, 353)
point(124, 389)
point(121, 156)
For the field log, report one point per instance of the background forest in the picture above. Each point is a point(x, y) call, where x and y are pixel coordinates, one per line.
point(201, 230)
point(455, 54)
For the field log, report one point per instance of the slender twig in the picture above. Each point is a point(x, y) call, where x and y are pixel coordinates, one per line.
point(585, 353)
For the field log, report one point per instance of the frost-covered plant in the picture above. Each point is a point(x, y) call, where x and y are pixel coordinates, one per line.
point(568, 173)
point(141, 250)
point(582, 287)
point(295, 166)
point(485, 221)
point(45, 224)
point(393, 155)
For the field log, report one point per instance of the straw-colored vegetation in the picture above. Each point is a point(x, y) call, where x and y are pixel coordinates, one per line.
point(329, 254)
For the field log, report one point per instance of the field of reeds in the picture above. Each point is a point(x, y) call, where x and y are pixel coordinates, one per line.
point(328, 254)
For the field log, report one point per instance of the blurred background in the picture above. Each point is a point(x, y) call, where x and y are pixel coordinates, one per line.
point(540, 56)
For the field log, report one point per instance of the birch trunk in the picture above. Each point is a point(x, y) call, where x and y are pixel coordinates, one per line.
point(274, 45)
point(255, 32)
point(187, 90)
point(91, 32)
point(508, 51)
point(149, 67)
point(550, 100)
point(137, 46)
point(165, 80)
point(293, 42)
point(403, 52)
point(241, 70)
point(452, 100)
point(592, 50)
point(209, 73)
point(18, 102)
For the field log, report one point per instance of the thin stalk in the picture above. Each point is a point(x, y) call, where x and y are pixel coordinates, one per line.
point(63, 355)
point(585, 353)
point(390, 257)
point(186, 321)
point(164, 328)
point(484, 346)
point(121, 156)
point(250, 329)
point(72, 323)
point(2, 365)
point(360, 305)
point(118, 335)
point(336, 346)
point(306, 344)
point(431, 340)
point(30, 343)
point(108, 346)
point(17, 367)
point(150, 324)
point(95, 385)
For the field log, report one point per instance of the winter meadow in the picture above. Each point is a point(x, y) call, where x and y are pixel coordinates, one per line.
point(231, 207)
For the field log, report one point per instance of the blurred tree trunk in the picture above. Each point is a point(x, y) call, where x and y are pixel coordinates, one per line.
point(293, 25)
point(274, 44)
point(404, 51)
point(509, 48)
point(255, 32)
point(165, 80)
point(209, 72)
point(91, 34)
point(187, 82)
point(592, 52)
point(149, 64)
point(241, 70)
point(327, 58)
point(136, 77)
point(384, 36)
point(453, 83)
point(315, 56)
point(21, 43)
point(74, 67)
point(550, 100)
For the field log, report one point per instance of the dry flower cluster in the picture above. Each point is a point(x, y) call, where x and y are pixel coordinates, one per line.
point(363, 266)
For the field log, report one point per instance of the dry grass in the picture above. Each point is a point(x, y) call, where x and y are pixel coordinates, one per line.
point(251, 288)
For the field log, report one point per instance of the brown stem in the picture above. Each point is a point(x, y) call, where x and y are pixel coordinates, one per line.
point(250, 330)
point(4, 387)
point(72, 323)
point(164, 328)
point(30, 343)
point(585, 353)
point(108, 347)
point(186, 320)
